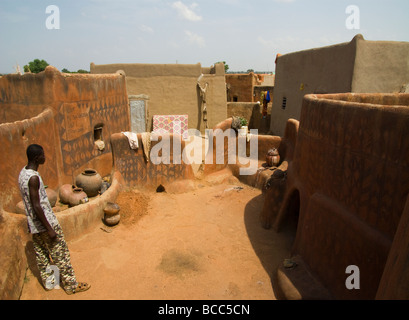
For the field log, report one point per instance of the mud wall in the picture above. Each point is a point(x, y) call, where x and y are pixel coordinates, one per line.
point(252, 112)
point(359, 66)
point(351, 171)
point(322, 70)
point(173, 90)
point(79, 104)
point(138, 170)
point(240, 87)
point(381, 66)
point(15, 138)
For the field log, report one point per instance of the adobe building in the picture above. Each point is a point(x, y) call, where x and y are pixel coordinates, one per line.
point(245, 98)
point(359, 66)
point(175, 89)
point(71, 115)
point(345, 190)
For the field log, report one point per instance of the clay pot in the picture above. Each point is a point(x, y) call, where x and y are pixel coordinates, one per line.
point(112, 220)
point(90, 181)
point(20, 208)
point(65, 193)
point(243, 131)
point(273, 158)
point(52, 196)
point(78, 196)
point(111, 209)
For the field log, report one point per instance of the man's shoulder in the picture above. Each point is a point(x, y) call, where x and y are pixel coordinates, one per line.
point(27, 174)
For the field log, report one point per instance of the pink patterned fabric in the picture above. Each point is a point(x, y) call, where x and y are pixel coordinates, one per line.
point(176, 124)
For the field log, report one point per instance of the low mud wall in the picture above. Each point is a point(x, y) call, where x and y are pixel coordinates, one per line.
point(16, 242)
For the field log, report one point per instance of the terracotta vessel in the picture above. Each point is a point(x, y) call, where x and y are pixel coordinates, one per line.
point(78, 196)
point(52, 196)
point(20, 208)
point(65, 193)
point(90, 181)
point(112, 220)
point(273, 158)
point(111, 209)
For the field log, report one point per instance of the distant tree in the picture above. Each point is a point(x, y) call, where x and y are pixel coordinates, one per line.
point(65, 70)
point(36, 66)
point(250, 70)
point(226, 66)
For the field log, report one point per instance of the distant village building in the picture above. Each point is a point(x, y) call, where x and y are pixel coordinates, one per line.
point(175, 89)
point(248, 87)
point(359, 66)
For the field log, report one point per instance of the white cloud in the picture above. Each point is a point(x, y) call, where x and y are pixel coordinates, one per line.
point(195, 39)
point(146, 29)
point(186, 12)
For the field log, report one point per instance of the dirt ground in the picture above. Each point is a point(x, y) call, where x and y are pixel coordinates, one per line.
point(202, 244)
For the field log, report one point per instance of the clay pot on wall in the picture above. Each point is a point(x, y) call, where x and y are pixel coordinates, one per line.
point(90, 181)
point(65, 193)
point(273, 158)
point(78, 196)
point(52, 196)
point(21, 208)
point(111, 214)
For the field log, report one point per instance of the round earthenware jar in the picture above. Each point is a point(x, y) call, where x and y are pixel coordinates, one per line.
point(111, 209)
point(112, 220)
point(65, 192)
point(78, 196)
point(20, 208)
point(272, 157)
point(90, 181)
point(52, 196)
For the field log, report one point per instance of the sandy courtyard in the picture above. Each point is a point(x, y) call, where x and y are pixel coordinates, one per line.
point(206, 243)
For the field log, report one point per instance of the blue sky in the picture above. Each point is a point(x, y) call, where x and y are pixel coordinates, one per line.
point(245, 34)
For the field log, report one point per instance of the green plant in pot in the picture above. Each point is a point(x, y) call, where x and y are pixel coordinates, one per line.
point(243, 122)
point(244, 127)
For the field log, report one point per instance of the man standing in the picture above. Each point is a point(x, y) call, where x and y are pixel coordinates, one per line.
point(48, 237)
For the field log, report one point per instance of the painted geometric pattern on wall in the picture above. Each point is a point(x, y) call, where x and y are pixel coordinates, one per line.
point(135, 171)
point(76, 122)
point(176, 124)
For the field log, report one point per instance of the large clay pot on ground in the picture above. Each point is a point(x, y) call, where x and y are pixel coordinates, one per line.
point(273, 158)
point(65, 193)
point(90, 181)
point(78, 196)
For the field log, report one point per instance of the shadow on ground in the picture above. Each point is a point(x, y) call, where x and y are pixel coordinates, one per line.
point(271, 247)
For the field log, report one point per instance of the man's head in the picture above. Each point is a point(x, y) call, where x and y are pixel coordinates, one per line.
point(35, 153)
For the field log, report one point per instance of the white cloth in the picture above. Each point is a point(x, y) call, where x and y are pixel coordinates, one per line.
point(146, 143)
point(133, 139)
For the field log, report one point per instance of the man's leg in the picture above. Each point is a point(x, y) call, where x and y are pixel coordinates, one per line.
point(61, 258)
point(42, 257)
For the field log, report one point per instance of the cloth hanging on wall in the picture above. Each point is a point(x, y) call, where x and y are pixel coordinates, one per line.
point(268, 97)
point(176, 124)
point(132, 139)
